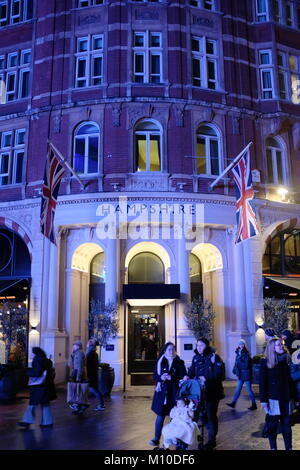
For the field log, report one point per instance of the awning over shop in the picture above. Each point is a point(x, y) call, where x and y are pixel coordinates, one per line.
point(283, 286)
point(150, 294)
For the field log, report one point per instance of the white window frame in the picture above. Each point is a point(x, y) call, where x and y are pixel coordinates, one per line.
point(90, 3)
point(266, 68)
point(274, 164)
point(19, 16)
point(12, 92)
point(203, 57)
point(86, 147)
point(88, 57)
point(13, 151)
point(262, 14)
point(201, 4)
point(4, 175)
point(14, 169)
point(280, 17)
point(292, 17)
point(207, 139)
point(4, 21)
point(148, 134)
point(4, 134)
point(21, 78)
point(147, 51)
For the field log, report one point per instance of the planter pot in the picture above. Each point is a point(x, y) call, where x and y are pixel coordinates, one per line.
point(106, 380)
point(255, 373)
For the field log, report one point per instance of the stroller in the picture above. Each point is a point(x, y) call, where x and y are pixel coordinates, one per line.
point(194, 391)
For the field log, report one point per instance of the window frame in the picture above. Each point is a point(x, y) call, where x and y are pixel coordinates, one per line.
point(262, 14)
point(88, 57)
point(13, 151)
point(208, 139)
point(86, 137)
point(148, 134)
point(204, 58)
point(274, 150)
point(266, 68)
point(147, 52)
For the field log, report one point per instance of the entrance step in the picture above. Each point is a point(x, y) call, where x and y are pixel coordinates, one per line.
point(142, 378)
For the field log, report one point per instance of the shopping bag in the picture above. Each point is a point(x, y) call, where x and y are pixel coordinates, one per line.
point(72, 392)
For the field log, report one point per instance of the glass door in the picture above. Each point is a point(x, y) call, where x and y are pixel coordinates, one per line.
point(146, 337)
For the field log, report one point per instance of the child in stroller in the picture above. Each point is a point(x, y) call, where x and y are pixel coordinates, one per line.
point(182, 431)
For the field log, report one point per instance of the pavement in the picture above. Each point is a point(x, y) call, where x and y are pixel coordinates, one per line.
point(127, 423)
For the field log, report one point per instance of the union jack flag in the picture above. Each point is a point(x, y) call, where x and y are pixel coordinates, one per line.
point(245, 213)
point(53, 174)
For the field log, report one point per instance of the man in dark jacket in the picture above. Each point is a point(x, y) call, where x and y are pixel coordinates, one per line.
point(209, 369)
point(92, 366)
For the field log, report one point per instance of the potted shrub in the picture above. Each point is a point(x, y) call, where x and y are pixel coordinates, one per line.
point(104, 326)
point(199, 318)
point(256, 367)
point(13, 323)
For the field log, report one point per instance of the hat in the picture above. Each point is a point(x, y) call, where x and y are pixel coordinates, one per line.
point(269, 332)
point(78, 343)
point(242, 341)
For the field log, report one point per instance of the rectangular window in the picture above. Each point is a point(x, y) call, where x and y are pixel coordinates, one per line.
point(15, 16)
point(276, 11)
point(89, 3)
point(15, 73)
point(262, 11)
point(3, 13)
point(204, 63)
point(12, 148)
point(289, 14)
point(89, 61)
point(206, 4)
point(266, 74)
point(288, 76)
point(147, 57)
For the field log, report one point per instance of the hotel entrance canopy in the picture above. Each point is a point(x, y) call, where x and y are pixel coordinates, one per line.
point(150, 294)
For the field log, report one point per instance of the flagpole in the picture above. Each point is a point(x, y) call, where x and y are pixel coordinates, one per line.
point(66, 164)
point(228, 168)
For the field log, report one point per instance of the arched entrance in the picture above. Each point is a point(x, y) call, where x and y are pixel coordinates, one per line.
point(85, 280)
point(147, 267)
point(15, 281)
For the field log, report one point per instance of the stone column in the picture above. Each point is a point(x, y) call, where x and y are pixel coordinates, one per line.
point(111, 263)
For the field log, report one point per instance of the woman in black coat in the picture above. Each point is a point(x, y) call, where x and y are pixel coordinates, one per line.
point(208, 368)
point(169, 370)
point(92, 366)
point(42, 393)
point(243, 370)
point(275, 392)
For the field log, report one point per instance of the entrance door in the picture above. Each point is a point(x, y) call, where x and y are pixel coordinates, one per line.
point(146, 337)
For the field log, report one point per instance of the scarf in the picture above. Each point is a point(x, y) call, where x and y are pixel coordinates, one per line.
point(158, 368)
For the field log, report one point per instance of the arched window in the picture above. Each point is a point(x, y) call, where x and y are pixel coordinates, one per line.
point(86, 148)
point(147, 137)
point(97, 278)
point(146, 268)
point(275, 162)
point(195, 276)
point(208, 149)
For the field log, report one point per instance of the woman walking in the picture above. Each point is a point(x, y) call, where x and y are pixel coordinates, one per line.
point(42, 392)
point(169, 370)
point(275, 392)
point(243, 370)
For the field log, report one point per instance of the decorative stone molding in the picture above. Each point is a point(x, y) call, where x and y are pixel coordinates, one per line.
point(56, 124)
point(116, 114)
point(147, 183)
point(179, 115)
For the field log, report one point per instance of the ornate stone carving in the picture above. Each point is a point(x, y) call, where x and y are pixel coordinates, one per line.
point(57, 124)
point(146, 14)
point(179, 115)
point(116, 114)
point(138, 112)
point(141, 183)
point(236, 125)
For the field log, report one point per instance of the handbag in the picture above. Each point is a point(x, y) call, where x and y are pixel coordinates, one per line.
point(268, 426)
point(37, 380)
point(78, 393)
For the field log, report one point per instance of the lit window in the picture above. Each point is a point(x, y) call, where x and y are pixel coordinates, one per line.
point(205, 63)
point(86, 148)
point(208, 150)
point(12, 148)
point(147, 57)
point(89, 61)
point(275, 162)
point(148, 146)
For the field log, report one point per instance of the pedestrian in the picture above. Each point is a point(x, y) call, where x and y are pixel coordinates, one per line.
point(181, 426)
point(288, 339)
point(78, 373)
point(275, 392)
point(208, 368)
point(92, 365)
point(295, 372)
point(269, 334)
point(243, 370)
point(169, 370)
point(42, 389)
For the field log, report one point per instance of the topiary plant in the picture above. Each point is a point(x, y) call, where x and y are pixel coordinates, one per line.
point(277, 314)
point(199, 317)
point(103, 322)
